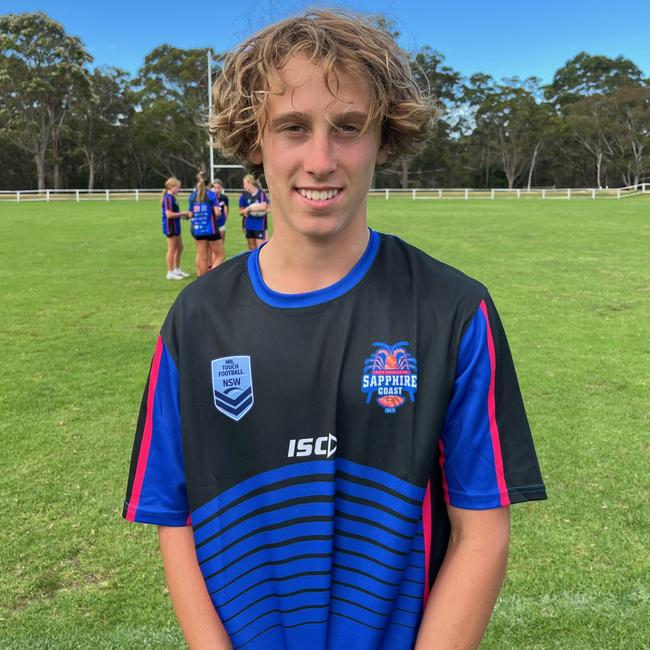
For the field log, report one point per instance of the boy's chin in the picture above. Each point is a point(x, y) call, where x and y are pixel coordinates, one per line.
point(322, 227)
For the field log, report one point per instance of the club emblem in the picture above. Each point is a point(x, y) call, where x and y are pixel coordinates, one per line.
point(232, 386)
point(392, 373)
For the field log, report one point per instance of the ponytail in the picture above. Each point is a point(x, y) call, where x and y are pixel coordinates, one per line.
point(200, 187)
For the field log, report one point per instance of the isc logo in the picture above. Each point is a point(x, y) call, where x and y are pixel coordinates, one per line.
point(323, 446)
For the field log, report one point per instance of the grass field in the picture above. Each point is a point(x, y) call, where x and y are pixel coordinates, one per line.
point(83, 294)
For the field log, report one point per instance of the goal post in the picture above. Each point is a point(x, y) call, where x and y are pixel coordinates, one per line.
point(214, 165)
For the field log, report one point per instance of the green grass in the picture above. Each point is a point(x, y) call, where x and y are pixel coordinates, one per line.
point(83, 294)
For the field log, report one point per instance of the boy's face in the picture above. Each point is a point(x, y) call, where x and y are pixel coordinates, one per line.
point(317, 166)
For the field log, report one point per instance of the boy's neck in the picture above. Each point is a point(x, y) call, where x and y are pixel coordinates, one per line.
point(307, 264)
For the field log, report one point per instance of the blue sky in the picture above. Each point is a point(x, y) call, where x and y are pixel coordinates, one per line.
point(502, 37)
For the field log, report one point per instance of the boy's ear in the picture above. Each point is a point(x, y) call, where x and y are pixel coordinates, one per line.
point(255, 156)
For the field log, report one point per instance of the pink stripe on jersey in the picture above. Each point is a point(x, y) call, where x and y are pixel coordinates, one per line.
point(494, 429)
point(426, 530)
point(445, 487)
point(145, 444)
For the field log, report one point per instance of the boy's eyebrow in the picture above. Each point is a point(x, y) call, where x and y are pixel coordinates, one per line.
point(294, 116)
point(297, 116)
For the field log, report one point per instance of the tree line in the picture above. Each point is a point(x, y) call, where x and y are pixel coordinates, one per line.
point(64, 123)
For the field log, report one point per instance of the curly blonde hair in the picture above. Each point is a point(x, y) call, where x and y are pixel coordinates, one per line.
point(337, 41)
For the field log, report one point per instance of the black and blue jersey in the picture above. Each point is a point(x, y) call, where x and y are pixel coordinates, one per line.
point(170, 226)
point(315, 463)
point(204, 221)
point(254, 221)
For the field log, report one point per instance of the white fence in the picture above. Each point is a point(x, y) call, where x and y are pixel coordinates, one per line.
point(19, 196)
point(534, 193)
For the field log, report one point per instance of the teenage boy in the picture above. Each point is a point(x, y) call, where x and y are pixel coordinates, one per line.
point(331, 459)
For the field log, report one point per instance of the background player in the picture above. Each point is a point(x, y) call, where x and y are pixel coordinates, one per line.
point(205, 212)
point(224, 204)
point(254, 206)
point(171, 227)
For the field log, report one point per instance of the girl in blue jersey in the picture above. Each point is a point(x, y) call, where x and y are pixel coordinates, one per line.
point(171, 227)
point(205, 212)
point(224, 204)
point(254, 206)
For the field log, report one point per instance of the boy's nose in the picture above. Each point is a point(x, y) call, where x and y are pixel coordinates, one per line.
point(320, 156)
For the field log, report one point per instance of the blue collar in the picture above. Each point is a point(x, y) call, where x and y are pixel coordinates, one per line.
point(296, 300)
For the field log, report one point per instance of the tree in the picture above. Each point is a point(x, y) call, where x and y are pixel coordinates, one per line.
point(99, 118)
point(436, 157)
point(585, 75)
point(630, 106)
point(17, 166)
point(41, 69)
point(474, 92)
point(512, 125)
point(171, 120)
point(592, 122)
point(440, 82)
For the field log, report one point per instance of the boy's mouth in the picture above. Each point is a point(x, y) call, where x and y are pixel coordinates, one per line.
point(319, 197)
point(318, 194)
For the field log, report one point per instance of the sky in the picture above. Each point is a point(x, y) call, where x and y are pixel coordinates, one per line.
point(503, 38)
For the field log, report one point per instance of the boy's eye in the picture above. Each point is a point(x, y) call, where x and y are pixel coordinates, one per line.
point(340, 128)
point(294, 128)
point(348, 128)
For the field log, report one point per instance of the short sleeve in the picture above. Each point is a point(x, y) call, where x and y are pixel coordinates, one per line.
point(191, 202)
point(487, 455)
point(156, 491)
point(242, 201)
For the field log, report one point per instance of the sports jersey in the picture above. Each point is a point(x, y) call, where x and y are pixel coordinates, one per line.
point(224, 204)
point(254, 221)
point(170, 226)
point(314, 464)
point(204, 221)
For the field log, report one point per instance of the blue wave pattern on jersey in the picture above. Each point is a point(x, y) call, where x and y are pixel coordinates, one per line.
point(320, 554)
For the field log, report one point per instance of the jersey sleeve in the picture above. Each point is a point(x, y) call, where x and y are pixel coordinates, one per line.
point(156, 492)
point(191, 202)
point(486, 448)
point(242, 201)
